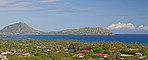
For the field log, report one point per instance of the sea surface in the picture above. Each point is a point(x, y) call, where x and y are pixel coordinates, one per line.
point(128, 38)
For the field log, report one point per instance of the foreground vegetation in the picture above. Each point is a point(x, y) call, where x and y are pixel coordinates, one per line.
point(31, 49)
point(2, 36)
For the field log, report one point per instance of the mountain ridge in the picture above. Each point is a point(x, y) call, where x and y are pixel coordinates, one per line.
point(23, 29)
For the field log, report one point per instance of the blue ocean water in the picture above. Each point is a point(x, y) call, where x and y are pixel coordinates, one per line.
point(128, 38)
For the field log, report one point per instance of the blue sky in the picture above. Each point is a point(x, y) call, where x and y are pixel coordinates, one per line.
point(55, 15)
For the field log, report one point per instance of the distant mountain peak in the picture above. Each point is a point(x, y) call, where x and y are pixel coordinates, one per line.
point(18, 28)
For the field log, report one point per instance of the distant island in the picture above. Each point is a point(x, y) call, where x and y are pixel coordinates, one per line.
point(23, 29)
point(83, 31)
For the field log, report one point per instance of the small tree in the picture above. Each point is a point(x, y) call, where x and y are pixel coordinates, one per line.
point(118, 55)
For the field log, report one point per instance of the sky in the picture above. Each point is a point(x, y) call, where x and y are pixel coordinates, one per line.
point(56, 15)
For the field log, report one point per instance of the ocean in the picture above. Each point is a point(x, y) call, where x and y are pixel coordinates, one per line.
point(128, 38)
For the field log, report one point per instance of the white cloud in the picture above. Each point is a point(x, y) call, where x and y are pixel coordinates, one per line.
point(18, 8)
point(121, 26)
point(86, 9)
point(142, 27)
point(62, 10)
point(22, 3)
point(128, 28)
point(57, 10)
point(11, 5)
point(44, 1)
point(7, 2)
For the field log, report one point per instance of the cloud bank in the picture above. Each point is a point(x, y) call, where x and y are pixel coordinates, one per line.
point(142, 27)
point(127, 28)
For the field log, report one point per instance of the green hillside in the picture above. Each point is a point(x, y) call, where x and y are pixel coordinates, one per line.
point(83, 31)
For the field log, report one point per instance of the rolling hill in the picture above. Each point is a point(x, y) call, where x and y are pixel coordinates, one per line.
point(83, 31)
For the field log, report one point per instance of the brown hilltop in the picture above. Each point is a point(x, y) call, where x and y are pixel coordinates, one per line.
point(18, 28)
